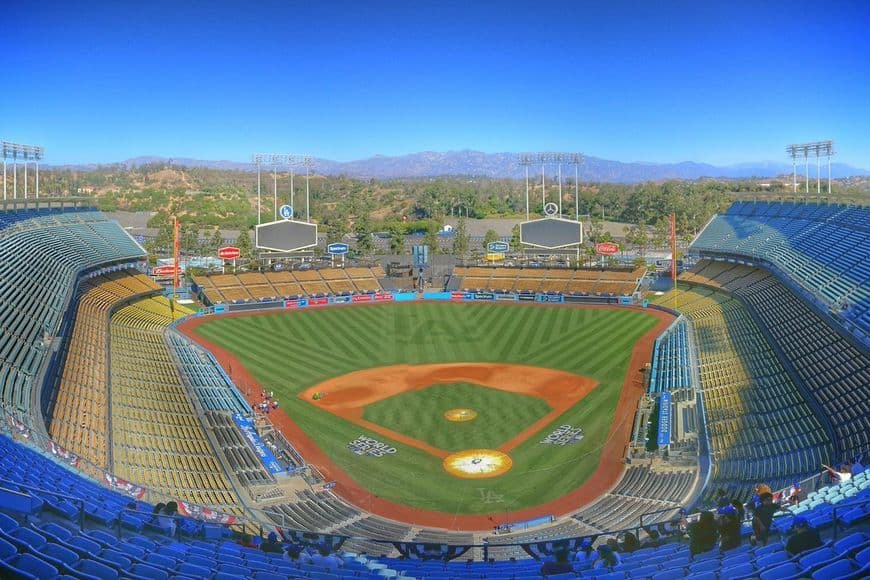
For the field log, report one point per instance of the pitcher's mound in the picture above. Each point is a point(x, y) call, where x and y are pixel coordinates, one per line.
point(459, 415)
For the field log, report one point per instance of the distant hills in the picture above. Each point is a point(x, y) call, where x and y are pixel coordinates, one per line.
point(504, 165)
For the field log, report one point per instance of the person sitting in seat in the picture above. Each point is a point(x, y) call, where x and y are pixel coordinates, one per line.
point(326, 558)
point(272, 544)
point(166, 520)
point(804, 537)
point(607, 558)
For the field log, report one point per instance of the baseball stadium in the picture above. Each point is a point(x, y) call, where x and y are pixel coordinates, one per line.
point(473, 424)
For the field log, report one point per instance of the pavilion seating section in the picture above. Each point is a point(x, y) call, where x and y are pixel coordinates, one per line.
point(41, 256)
point(555, 280)
point(79, 411)
point(825, 249)
point(833, 370)
point(288, 284)
point(671, 367)
point(761, 428)
point(212, 388)
point(240, 458)
point(157, 440)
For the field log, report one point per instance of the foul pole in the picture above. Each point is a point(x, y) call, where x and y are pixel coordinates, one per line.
point(175, 249)
point(673, 224)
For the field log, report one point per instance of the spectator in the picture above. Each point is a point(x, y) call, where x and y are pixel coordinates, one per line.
point(296, 553)
point(741, 513)
point(652, 540)
point(729, 527)
point(560, 565)
point(804, 537)
point(630, 543)
point(585, 556)
point(607, 558)
point(246, 541)
point(326, 558)
point(613, 544)
point(794, 494)
point(166, 520)
point(703, 534)
point(841, 476)
point(272, 544)
point(722, 498)
point(763, 518)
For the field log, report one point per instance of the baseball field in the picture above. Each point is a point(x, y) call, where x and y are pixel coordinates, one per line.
point(382, 398)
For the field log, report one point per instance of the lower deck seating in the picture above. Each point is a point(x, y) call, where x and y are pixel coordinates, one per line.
point(834, 371)
point(79, 412)
point(157, 440)
point(761, 428)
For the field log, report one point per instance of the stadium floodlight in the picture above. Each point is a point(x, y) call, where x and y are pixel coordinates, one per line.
point(817, 148)
point(26, 153)
point(276, 160)
point(551, 158)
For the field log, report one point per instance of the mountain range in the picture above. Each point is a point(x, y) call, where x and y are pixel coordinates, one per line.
point(469, 163)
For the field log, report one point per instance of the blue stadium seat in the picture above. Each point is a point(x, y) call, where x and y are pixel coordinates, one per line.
point(91, 569)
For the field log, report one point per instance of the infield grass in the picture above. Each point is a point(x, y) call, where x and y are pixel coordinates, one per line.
point(290, 351)
point(420, 414)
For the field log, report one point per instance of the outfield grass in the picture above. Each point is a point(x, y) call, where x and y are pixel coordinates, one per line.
point(291, 351)
point(420, 414)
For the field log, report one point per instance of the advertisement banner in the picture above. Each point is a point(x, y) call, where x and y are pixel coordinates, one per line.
point(383, 297)
point(318, 301)
point(63, 454)
point(361, 298)
point(457, 295)
point(404, 296)
point(203, 513)
point(246, 426)
point(124, 486)
point(437, 296)
point(664, 437)
point(291, 304)
point(482, 296)
point(219, 308)
point(340, 300)
point(506, 297)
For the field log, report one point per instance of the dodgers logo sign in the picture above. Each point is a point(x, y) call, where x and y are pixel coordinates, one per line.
point(498, 247)
point(337, 249)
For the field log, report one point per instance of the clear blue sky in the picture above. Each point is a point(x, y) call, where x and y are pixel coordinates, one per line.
point(719, 82)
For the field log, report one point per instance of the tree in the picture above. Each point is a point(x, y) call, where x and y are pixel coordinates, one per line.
point(490, 236)
point(245, 246)
point(397, 238)
point(431, 238)
point(515, 238)
point(216, 241)
point(460, 238)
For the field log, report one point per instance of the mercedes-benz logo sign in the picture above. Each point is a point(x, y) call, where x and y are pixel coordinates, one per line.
point(551, 209)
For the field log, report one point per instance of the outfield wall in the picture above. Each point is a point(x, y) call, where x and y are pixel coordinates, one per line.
point(382, 297)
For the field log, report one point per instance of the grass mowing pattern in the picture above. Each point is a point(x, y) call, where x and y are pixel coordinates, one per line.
point(291, 351)
point(420, 414)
